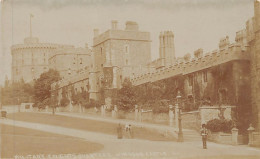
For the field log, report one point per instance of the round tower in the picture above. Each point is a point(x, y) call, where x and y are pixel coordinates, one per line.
point(30, 59)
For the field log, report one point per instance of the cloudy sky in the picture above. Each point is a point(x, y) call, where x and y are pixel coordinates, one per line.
point(195, 23)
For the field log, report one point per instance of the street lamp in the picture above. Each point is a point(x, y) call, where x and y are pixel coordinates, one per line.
point(53, 103)
point(180, 134)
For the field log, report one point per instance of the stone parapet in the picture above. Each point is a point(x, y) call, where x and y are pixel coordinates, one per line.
point(121, 35)
point(39, 45)
point(83, 75)
point(231, 53)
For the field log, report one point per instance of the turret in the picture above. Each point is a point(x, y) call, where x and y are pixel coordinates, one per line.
point(166, 48)
point(257, 14)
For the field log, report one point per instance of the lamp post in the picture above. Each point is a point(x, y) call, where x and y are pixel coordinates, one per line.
point(180, 134)
point(19, 105)
point(53, 103)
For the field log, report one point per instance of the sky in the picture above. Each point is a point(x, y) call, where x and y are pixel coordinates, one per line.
point(195, 23)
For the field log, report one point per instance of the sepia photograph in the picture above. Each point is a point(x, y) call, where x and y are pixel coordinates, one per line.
point(129, 79)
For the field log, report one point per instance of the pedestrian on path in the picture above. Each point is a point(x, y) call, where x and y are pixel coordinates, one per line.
point(131, 132)
point(204, 134)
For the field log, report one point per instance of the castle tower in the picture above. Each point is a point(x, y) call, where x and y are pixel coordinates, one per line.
point(255, 66)
point(166, 48)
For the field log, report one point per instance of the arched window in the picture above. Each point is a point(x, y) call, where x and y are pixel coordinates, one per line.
point(80, 60)
point(126, 49)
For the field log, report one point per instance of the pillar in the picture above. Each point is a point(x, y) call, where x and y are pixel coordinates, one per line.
point(176, 115)
point(250, 135)
point(234, 136)
point(136, 112)
point(171, 115)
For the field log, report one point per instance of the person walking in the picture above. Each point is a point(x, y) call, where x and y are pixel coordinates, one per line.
point(204, 134)
point(131, 134)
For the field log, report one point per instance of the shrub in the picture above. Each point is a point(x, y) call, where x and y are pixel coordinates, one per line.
point(160, 109)
point(217, 125)
point(64, 102)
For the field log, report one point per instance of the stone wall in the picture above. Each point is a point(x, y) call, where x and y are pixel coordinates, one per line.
point(208, 113)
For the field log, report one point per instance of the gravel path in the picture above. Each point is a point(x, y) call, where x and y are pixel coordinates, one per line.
point(137, 148)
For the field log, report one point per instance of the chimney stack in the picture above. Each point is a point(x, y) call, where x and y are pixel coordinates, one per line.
point(114, 25)
point(96, 32)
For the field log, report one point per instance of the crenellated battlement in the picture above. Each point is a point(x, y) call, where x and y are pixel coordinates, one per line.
point(39, 46)
point(131, 32)
point(186, 65)
point(71, 50)
point(82, 74)
point(250, 29)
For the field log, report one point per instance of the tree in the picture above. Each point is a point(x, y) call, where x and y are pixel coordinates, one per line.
point(16, 93)
point(126, 98)
point(42, 87)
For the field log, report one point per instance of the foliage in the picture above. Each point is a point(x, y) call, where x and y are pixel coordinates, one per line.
point(16, 93)
point(126, 98)
point(160, 106)
point(217, 125)
point(92, 103)
point(64, 99)
point(81, 98)
point(64, 102)
point(160, 109)
point(42, 86)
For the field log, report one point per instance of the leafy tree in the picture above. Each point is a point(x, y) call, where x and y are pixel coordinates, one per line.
point(42, 87)
point(16, 93)
point(64, 99)
point(126, 98)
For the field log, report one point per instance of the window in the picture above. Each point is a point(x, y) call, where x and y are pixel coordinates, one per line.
point(176, 82)
point(205, 76)
point(190, 80)
point(69, 72)
point(74, 60)
point(80, 60)
point(126, 62)
point(126, 49)
point(101, 51)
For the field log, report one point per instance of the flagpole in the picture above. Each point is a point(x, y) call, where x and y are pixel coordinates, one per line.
point(30, 25)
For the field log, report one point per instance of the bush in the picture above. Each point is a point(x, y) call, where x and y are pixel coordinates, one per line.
point(160, 109)
point(217, 125)
point(64, 102)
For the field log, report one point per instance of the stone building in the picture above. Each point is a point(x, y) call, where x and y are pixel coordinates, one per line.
point(30, 59)
point(228, 75)
point(69, 61)
point(117, 53)
point(253, 38)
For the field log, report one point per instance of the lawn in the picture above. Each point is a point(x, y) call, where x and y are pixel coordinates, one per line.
point(88, 125)
point(22, 142)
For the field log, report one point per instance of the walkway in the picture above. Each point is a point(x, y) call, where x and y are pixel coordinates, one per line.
point(144, 149)
point(189, 135)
